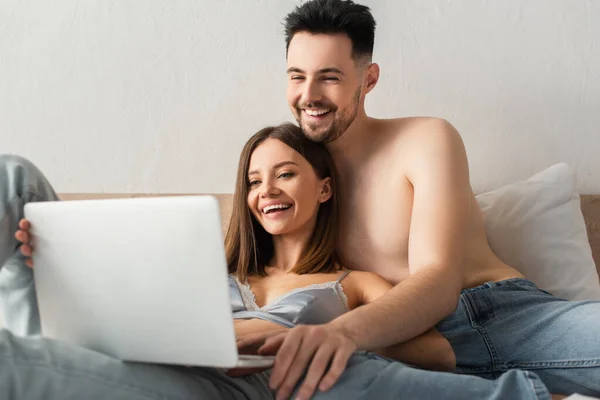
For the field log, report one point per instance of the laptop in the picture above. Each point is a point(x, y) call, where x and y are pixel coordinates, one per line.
point(139, 279)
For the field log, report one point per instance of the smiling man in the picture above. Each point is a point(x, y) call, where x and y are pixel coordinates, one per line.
point(409, 214)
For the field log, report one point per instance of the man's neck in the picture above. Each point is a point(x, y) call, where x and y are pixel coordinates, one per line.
point(352, 146)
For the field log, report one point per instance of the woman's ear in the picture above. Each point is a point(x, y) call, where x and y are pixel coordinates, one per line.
point(326, 190)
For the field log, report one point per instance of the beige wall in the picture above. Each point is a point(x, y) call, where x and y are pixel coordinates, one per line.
point(158, 96)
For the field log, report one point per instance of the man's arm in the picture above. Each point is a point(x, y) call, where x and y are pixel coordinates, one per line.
point(430, 350)
point(437, 169)
point(438, 172)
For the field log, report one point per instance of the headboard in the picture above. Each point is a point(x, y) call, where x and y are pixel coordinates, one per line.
point(590, 206)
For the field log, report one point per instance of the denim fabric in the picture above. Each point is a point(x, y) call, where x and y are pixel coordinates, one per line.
point(20, 183)
point(369, 376)
point(33, 367)
point(512, 324)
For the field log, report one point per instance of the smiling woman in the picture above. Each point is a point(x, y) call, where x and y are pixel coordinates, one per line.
point(285, 186)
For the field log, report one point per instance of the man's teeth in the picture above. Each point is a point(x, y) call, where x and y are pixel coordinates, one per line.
point(268, 209)
point(316, 113)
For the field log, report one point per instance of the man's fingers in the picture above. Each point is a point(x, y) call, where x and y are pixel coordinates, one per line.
point(285, 356)
point(323, 350)
point(29, 263)
point(297, 367)
point(317, 368)
point(337, 367)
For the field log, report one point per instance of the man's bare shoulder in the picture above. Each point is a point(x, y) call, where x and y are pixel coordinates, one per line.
point(419, 138)
point(417, 128)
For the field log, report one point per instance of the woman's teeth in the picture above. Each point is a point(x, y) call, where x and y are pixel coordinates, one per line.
point(268, 209)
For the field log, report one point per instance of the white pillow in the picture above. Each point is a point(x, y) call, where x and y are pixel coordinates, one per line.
point(537, 227)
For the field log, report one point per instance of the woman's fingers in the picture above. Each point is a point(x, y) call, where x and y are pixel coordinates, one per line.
point(26, 250)
point(22, 237)
point(24, 224)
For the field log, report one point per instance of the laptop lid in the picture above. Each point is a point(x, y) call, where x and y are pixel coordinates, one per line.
point(141, 279)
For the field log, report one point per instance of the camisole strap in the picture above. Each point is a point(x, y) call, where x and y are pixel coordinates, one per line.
point(342, 276)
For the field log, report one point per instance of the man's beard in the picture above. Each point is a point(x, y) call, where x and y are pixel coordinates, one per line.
point(339, 125)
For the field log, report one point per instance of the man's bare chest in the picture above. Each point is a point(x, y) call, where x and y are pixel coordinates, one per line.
point(376, 211)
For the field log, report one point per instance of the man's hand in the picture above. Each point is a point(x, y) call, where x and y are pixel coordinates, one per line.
point(321, 346)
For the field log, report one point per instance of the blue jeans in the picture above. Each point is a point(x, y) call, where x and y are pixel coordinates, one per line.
point(33, 367)
point(512, 324)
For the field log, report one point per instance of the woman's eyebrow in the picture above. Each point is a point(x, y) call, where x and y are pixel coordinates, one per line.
point(278, 165)
point(283, 163)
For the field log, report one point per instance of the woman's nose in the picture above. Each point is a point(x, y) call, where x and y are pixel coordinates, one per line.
point(269, 189)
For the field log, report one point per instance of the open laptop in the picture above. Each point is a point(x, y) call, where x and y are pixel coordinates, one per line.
point(141, 279)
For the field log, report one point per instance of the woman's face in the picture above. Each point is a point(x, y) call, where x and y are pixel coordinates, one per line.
point(284, 192)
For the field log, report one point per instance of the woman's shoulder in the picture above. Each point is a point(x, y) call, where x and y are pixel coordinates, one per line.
point(362, 276)
point(365, 286)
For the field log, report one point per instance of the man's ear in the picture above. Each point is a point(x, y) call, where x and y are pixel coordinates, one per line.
point(326, 190)
point(371, 78)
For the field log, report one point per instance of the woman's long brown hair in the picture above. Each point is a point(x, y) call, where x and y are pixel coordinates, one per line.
point(249, 248)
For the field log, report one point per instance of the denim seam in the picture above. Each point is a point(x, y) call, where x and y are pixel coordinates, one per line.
point(497, 365)
point(536, 385)
point(79, 374)
point(499, 285)
point(490, 306)
point(588, 363)
point(531, 384)
point(486, 339)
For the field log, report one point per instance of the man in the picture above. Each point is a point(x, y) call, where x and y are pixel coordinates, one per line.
point(410, 215)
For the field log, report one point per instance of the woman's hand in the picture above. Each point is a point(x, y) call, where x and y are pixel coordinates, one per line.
point(248, 332)
point(249, 328)
point(24, 237)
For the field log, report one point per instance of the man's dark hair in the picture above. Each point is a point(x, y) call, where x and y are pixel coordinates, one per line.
point(334, 17)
